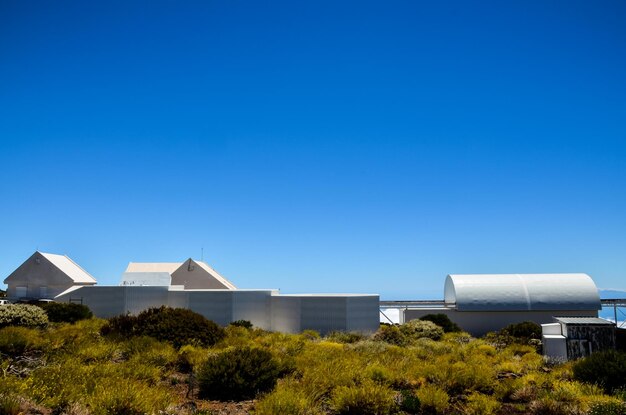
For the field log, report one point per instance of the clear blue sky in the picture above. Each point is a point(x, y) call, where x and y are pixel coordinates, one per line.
point(317, 146)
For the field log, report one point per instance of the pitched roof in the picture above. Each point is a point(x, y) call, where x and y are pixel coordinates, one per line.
point(168, 267)
point(216, 275)
point(69, 268)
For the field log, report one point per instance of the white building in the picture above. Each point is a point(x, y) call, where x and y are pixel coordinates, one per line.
point(488, 302)
point(194, 285)
point(44, 276)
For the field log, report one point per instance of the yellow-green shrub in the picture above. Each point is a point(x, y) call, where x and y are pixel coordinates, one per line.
point(479, 404)
point(368, 398)
point(15, 341)
point(433, 399)
point(287, 399)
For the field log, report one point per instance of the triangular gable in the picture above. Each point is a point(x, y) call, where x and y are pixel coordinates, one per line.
point(72, 271)
point(198, 275)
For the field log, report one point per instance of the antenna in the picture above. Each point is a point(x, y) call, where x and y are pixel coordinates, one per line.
point(202, 254)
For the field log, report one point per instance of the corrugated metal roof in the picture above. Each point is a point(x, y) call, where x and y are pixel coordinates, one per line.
point(584, 320)
point(521, 292)
point(69, 268)
point(153, 266)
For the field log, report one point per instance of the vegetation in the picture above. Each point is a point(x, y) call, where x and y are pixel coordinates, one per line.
point(23, 315)
point(607, 369)
point(442, 321)
point(74, 368)
point(66, 312)
point(237, 374)
point(241, 323)
point(178, 326)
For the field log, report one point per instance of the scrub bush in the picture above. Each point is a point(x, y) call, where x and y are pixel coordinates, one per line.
point(238, 374)
point(241, 323)
point(345, 337)
point(479, 404)
point(606, 368)
point(15, 341)
point(364, 399)
point(66, 312)
point(417, 329)
point(9, 404)
point(178, 326)
point(409, 402)
point(524, 331)
point(391, 334)
point(24, 315)
point(286, 399)
point(433, 399)
point(442, 321)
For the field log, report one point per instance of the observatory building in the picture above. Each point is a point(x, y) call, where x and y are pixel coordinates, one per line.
point(194, 285)
point(481, 303)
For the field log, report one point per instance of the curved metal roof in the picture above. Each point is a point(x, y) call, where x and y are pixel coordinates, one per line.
point(521, 292)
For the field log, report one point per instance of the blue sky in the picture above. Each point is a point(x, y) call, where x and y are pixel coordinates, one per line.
point(319, 146)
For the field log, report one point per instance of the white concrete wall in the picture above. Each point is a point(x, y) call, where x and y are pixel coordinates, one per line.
point(263, 308)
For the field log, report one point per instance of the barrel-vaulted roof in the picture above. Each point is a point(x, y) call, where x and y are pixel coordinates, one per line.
point(521, 292)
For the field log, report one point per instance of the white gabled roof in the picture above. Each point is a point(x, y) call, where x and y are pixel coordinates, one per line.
point(521, 292)
point(215, 275)
point(69, 268)
point(168, 267)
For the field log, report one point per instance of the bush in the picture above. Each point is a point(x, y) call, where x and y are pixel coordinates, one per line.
point(15, 341)
point(9, 404)
point(391, 334)
point(178, 326)
point(417, 329)
point(524, 331)
point(442, 321)
point(479, 404)
point(22, 315)
point(345, 336)
point(286, 399)
point(433, 399)
point(364, 399)
point(241, 323)
point(66, 312)
point(607, 369)
point(409, 402)
point(238, 374)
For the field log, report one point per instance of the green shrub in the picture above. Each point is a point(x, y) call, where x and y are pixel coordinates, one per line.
point(66, 312)
point(606, 368)
point(345, 337)
point(9, 404)
point(417, 329)
point(391, 334)
point(479, 404)
point(237, 374)
point(433, 399)
point(241, 323)
point(409, 402)
point(524, 331)
point(15, 341)
point(128, 398)
point(178, 326)
point(442, 321)
point(608, 407)
point(364, 399)
point(123, 326)
point(24, 315)
point(286, 399)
